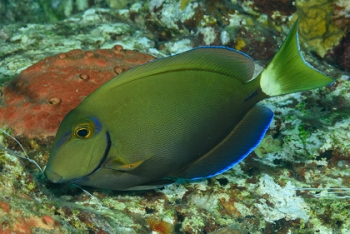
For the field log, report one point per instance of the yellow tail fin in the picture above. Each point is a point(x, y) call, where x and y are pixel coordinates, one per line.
point(288, 72)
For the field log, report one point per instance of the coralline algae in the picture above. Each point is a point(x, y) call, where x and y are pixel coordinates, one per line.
point(295, 181)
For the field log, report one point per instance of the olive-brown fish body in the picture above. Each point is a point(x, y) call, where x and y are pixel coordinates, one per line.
point(189, 116)
point(170, 121)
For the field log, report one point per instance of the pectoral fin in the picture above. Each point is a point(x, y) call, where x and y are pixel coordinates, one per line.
point(118, 166)
point(233, 149)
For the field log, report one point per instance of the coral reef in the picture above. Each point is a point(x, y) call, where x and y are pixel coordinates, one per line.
point(119, 4)
point(296, 181)
point(340, 55)
point(36, 101)
point(322, 24)
point(342, 14)
point(60, 9)
point(271, 12)
point(209, 23)
point(24, 11)
point(317, 27)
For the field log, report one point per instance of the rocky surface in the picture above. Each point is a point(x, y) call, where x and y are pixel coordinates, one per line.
point(297, 180)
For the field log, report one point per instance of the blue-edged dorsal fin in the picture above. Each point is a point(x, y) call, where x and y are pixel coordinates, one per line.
point(233, 149)
point(216, 59)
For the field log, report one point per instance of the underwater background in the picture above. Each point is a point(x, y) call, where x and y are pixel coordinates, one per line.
point(296, 181)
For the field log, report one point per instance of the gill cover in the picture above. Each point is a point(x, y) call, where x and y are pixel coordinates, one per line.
point(77, 148)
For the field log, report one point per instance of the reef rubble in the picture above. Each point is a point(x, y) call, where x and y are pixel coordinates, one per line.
point(297, 180)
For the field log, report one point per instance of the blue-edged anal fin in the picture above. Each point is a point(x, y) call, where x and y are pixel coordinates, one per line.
point(234, 148)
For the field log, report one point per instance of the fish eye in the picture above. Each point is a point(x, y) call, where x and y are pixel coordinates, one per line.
point(83, 131)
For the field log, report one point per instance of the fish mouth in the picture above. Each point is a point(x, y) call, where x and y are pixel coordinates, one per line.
point(98, 167)
point(53, 177)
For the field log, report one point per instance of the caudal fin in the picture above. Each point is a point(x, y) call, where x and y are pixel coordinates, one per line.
point(288, 72)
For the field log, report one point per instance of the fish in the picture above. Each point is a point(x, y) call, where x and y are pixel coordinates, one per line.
point(189, 116)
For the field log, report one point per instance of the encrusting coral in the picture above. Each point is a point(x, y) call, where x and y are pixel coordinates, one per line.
point(297, 180)
point(342, 13)
point(317, 27)
point(36, 101)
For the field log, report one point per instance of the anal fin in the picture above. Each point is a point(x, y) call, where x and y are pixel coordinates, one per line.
point(234, 148)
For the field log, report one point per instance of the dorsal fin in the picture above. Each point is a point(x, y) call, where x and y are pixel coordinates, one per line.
point(216, 59)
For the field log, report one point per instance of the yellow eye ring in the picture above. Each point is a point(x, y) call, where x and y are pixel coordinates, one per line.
point(83, 131)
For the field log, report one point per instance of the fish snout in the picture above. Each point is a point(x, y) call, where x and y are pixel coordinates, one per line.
point(53, 177)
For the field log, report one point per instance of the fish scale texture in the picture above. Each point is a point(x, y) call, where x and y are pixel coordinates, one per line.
point(35, 102)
